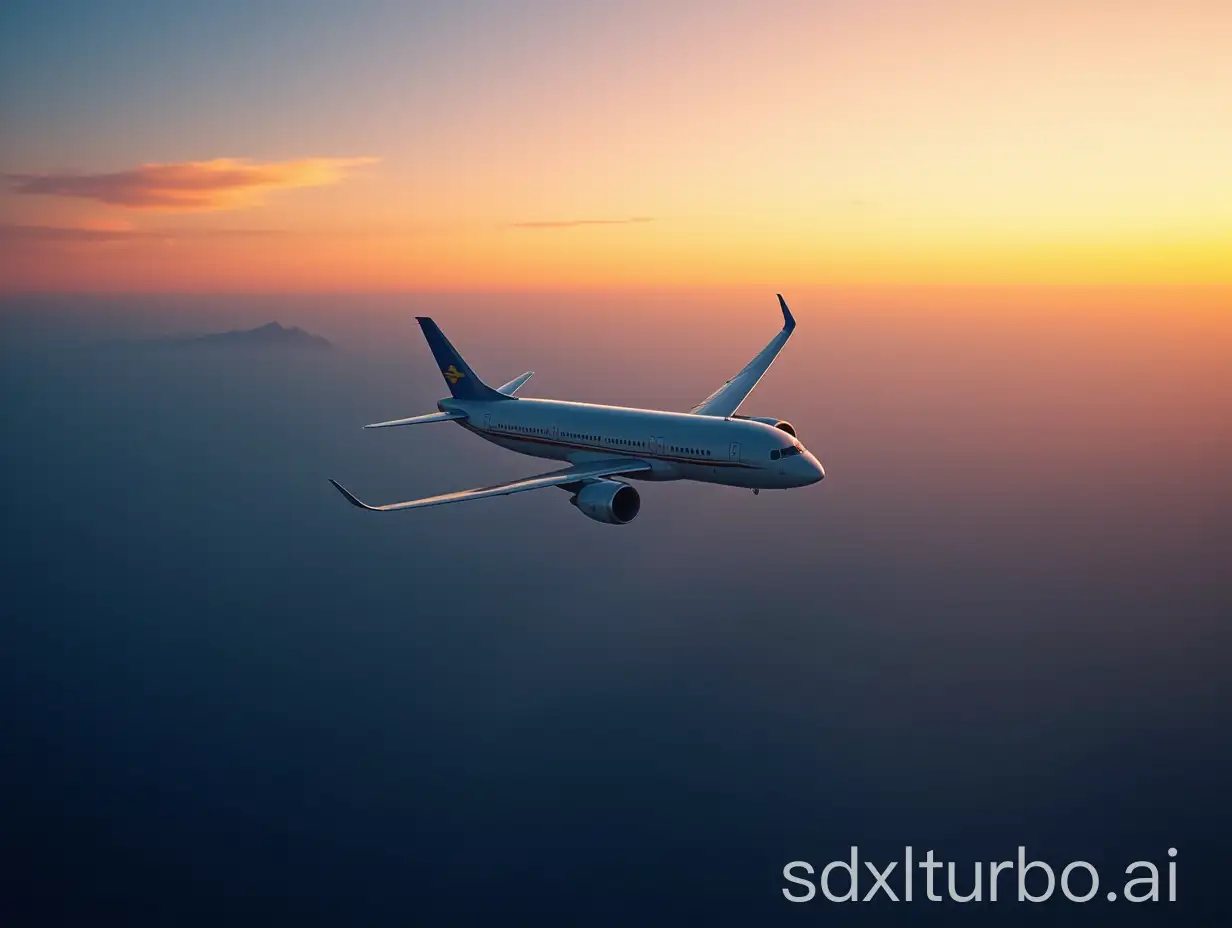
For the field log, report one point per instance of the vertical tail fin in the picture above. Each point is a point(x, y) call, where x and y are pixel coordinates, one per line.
point(463, 382)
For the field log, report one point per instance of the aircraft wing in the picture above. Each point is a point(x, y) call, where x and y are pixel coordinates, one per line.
point(727, 399)
point(575, 474)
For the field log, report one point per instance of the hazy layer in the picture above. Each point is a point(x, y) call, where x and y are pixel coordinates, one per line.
point(1000, 620)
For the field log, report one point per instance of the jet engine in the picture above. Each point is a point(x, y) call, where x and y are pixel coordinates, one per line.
point(608, 501)
point(770, 420)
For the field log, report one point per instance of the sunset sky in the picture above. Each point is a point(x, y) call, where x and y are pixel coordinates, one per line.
point(496, 145)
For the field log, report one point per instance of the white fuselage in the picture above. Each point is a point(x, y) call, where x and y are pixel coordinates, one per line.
point(678, 446)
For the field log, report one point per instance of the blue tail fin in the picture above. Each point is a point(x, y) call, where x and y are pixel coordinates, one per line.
point(463, 382)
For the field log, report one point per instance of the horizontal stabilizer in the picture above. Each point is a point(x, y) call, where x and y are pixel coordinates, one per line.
point(418, 420)
point(515, 385)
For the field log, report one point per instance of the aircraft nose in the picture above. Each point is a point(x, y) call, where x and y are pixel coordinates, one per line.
point(818, 472)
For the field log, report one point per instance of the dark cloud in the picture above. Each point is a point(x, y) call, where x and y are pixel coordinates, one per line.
point(35, 234)
point(222, 183)
point(56, 234)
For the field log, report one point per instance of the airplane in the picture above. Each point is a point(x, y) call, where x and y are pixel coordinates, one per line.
point(602, 444)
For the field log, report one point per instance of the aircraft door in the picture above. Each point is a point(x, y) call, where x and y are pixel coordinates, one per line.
point(487, 422)
point(733, 453)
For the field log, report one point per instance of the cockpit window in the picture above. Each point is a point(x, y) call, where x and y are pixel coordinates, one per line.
point(796, 448)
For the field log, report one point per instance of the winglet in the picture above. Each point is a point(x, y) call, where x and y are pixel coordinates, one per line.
point(351, 497)
point(789, 321)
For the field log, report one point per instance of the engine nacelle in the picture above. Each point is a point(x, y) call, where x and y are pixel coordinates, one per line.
point(770, 420)
point(608, 501)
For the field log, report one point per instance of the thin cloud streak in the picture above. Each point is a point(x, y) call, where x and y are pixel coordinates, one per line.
point(574, 223)
point(218, 184)
point(35, 234)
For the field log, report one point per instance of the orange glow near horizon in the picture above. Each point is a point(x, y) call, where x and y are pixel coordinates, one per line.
point(115, 258)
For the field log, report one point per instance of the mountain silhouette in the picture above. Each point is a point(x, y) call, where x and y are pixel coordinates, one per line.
point(272, 334)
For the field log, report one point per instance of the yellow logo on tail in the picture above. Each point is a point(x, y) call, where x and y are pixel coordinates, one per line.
point(452, 374)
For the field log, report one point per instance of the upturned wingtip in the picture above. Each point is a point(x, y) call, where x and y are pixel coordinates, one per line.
point(789, 321)
point(349, 496)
